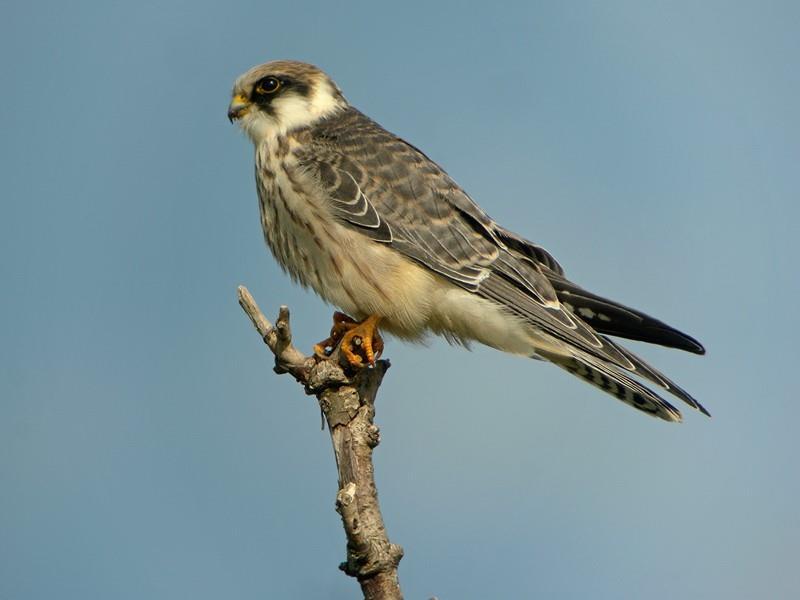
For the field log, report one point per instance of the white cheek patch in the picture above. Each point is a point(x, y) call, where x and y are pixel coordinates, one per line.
point(325, 100)
point(292, 111)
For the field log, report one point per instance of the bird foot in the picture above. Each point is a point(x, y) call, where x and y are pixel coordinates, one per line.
point(360, 342)
point(341, 323)
point(363, 343)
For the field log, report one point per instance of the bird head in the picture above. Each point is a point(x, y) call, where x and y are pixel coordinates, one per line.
point(279, 96)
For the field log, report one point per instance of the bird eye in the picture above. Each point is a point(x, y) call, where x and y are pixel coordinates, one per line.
point(268, 85)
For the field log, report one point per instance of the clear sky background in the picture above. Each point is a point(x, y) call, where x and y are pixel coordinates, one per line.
point(148, 451)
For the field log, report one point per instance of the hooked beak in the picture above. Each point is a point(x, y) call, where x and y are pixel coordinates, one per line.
point(238, 108)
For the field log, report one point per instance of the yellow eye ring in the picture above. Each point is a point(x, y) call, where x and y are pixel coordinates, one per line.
point(268, 85)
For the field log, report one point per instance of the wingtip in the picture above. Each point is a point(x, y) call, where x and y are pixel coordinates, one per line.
point(696, 347)
point(669, 336)
point(689, 343)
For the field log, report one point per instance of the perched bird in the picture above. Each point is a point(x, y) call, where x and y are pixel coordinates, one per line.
point(379, 230)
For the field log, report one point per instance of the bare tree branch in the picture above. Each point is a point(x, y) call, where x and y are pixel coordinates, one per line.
point(347, 399)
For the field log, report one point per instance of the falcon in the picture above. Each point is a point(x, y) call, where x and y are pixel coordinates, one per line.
point(379, 230)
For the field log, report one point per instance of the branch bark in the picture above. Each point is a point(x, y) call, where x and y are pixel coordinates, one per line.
point(347, 399)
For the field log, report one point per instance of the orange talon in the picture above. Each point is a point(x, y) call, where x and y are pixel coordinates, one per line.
point(321, 349)
point(363, 342)
point(341, 324)
point(360, 341)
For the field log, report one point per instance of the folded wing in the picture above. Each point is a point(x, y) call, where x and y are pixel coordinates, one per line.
point(388, 190)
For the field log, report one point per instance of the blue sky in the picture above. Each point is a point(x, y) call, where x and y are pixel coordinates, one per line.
point(146, 448)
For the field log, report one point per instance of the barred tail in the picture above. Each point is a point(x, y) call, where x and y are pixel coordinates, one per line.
point(619, 385)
